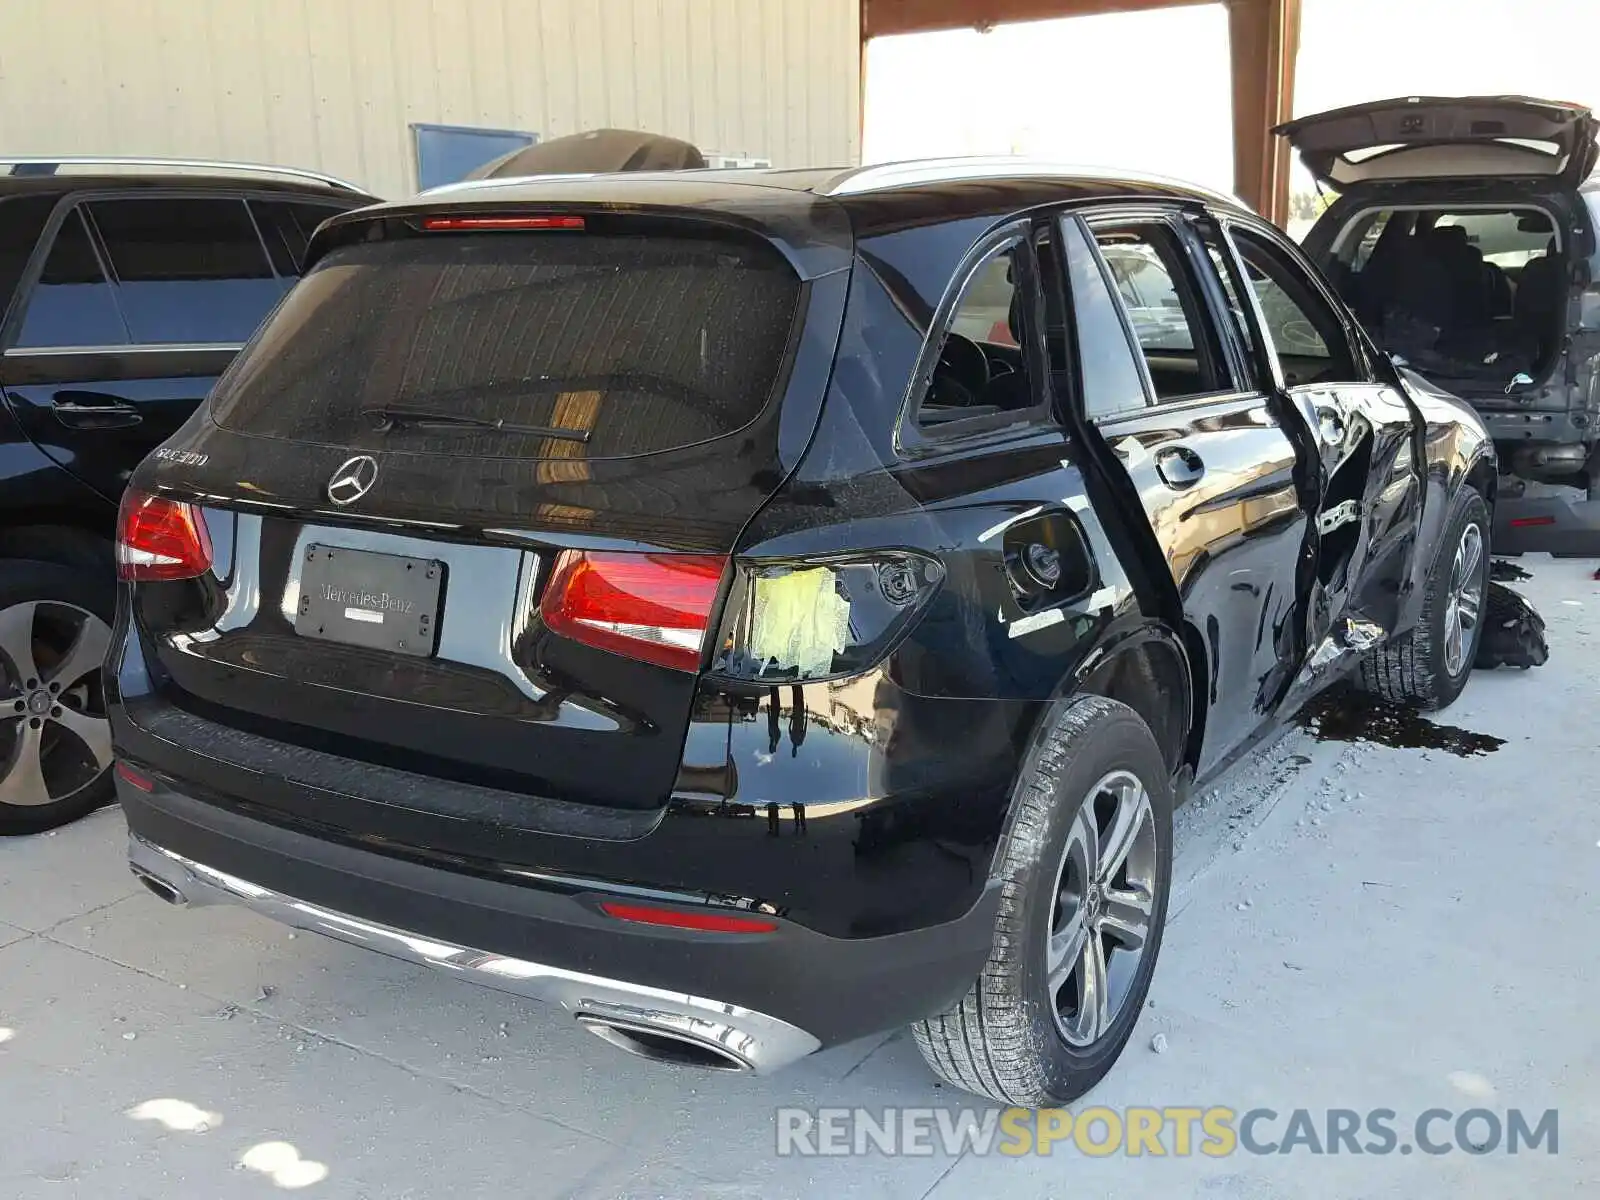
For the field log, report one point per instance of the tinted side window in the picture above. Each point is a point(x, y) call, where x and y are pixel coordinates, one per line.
point(1147, 289)
point(982, 369)
point(1301, 325)
point(72, 304)
point(1111, 380)
point(1164, 307)
point(1233, 285)
point(1366, 241)
point(186, 269)
point(1590, 312)
point(286, 228)
point(22, 220)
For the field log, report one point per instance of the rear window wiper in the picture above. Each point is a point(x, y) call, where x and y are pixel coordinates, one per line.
point(387, 416)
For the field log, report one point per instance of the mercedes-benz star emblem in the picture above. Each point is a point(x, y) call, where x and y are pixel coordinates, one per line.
point(353, 479)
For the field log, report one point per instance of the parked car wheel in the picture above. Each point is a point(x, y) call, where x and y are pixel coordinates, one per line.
point(1429, 666)
point(1086, 868)
point(55, 741)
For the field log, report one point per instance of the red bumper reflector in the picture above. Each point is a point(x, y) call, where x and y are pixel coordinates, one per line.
point(470, 224)
point(131, 777)
point(703, 922)
point(1524, 522)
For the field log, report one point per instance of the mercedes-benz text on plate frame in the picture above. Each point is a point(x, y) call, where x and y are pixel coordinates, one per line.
point(353, 479)
point(382, 601)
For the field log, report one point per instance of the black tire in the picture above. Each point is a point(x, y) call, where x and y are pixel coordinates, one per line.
point(1413, 669)
point(1004, 1040)
point(86, 788)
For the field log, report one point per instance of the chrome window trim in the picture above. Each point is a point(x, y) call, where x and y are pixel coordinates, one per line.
point(140, 348)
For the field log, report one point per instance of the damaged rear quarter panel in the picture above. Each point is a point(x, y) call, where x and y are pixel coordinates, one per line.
point(894, 785)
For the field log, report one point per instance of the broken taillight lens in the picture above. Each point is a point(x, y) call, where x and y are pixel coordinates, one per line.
point(821, 619)
point(653, 607)
point(159, 538)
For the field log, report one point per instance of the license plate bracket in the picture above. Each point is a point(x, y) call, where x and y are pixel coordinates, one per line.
point(365, 598)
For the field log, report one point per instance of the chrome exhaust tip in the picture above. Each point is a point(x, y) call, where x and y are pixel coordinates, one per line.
point(159, 887)
point(662, 1045)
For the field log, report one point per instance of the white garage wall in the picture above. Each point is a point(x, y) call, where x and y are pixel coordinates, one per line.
point(335, 84)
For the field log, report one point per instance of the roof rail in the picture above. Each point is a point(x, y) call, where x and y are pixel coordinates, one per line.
point(914, 171)
point(50, 166)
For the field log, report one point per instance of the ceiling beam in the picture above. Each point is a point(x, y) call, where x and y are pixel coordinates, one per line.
point(880, 18)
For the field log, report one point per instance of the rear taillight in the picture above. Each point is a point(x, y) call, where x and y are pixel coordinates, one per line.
point(654, 607)
point(160, 539)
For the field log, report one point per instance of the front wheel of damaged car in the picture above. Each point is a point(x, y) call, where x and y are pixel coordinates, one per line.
point(1085, 869)
point(1428, 666)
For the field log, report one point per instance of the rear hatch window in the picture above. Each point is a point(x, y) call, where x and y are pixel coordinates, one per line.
point(640, 344)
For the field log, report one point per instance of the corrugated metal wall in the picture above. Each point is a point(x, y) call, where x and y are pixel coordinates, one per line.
point(335, 84)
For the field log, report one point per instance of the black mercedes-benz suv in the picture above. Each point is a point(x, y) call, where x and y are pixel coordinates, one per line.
point(126, 285)
point(754, 610)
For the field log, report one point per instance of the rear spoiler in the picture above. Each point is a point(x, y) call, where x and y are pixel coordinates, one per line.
point(811, 231)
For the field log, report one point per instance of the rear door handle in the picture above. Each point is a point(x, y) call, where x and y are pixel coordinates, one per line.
point(93, 410)
point(1179, 467)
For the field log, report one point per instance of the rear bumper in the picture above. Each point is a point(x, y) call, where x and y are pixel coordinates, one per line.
point(752, 1001)
point(1560, 521)
point(741, 1037)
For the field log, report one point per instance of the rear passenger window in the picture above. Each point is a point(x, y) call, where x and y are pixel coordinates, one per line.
point(22, 222)
point(1222, 260)
point(983, 369)
point(287, 228)
point(1302, 326)
point(187, 270)
point(1110, 377)
point(1366, 240)
point(72, 304)
point(1164, 308)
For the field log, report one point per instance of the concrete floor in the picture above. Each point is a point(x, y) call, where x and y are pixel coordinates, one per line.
point(1353, 926)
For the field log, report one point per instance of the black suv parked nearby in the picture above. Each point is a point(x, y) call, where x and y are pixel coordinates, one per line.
point(1464, 239)
point(127, 286)
point(755, 610)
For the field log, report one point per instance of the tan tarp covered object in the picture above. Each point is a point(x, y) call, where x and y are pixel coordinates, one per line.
point(595, 151)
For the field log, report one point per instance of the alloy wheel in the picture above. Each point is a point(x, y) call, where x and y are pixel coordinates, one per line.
point(55, 740)
point(1104, 898)
point(1465, 600)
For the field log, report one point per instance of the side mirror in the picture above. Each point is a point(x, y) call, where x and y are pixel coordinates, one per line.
point(1399, 360)
point(1520, 380)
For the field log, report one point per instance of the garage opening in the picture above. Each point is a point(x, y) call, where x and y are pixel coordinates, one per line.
point(1143, 90)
